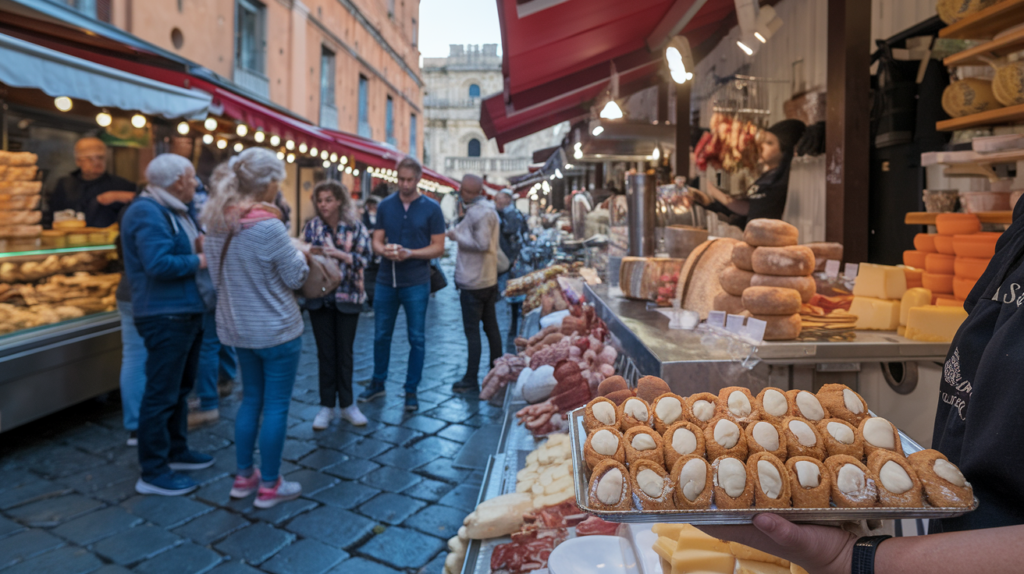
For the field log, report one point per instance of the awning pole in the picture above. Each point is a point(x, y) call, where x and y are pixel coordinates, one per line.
point(3, 123)
point(683, 130)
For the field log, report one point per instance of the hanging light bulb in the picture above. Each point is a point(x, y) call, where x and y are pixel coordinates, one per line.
point(344, 159)
point(139, 121)
point(313, 151)
point(348, 169)
point(303, 148)
point(578, 154)
point(242, 130)
point(760, 38)
point(104, 119)
point(327, 164)
point(568, 166)
point(611, 111)
point(355, 172)
point(745, 48)
point(259, 136)
point(275, 140)
point(210, 124)
point(558, 173)
point(291, 158)
point(207, 139)
point(222, 144)
point(598, 130)
point(324, 156)
point(656, 154)
point(289, 145)
point(334, 158)
point(63, 103)
point(238, 147)
point(280, 155)
point(183, 128)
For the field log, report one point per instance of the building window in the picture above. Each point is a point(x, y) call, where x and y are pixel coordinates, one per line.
point(326, 77)
point(364, 107)
point(391, 7)
point(412, 136)
point(474, 148)
point(415, 33)
point(474, 91)
point(389, 121)
point(249, 36)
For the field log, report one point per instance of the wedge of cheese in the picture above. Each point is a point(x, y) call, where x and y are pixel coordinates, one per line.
point(916, 297)
point(686, 561)
point(754, 567)
point(880, 281)
point(934, 324)
point(875, 314)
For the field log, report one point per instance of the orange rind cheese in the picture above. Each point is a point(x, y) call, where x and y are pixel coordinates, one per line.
point(978, 245)
point(957, 223)
point(925, 242)
point(914, 258)
point(939, 263)
point(944, 244)
point(970, 267)
point(941, 283)
point(962, 287)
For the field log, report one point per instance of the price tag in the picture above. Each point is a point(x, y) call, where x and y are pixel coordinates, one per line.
point(851, 271)
point(716, 318)
point(734, 323)
point(754, 329)
point(832, 268)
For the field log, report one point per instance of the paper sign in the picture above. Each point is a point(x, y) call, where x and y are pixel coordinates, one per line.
point(716, 318)
point(734, 323)
point(754, 329)
point(832, 268)
point(851, 271)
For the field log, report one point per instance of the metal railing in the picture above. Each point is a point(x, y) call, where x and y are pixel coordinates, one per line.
point(487, 164)
point(254, 82)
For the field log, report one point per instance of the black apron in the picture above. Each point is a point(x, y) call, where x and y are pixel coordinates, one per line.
point(979, 424)
point(766, 197)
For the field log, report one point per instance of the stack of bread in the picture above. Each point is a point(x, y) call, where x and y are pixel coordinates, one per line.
point(954, 258)
point(19, 198)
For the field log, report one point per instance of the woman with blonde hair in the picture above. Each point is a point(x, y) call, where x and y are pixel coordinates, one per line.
point(337, 231)
point(256, 270)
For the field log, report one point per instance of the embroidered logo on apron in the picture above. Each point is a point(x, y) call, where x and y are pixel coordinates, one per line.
point(962, 388)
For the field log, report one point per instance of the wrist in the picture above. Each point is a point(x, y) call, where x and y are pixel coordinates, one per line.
point(863, 553)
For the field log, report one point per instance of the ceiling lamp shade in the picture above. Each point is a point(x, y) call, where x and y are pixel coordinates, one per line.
point(611, 111)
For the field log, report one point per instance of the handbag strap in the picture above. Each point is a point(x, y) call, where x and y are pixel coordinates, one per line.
point(224, 252)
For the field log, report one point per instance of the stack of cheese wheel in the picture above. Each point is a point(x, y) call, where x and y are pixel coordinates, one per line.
point(953, 259)
point(19, 199)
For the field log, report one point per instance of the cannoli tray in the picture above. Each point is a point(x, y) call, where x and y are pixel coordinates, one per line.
point(713, 515)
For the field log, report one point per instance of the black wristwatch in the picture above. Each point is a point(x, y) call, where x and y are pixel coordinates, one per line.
point(864, 554)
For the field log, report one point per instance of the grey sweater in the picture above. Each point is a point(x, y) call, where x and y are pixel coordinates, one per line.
point(256, 305)
point(476, 266)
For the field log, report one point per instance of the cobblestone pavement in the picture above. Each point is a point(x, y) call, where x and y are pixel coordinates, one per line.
point(377, 499)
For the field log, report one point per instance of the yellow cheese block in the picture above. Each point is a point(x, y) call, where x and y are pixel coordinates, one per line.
point(744, 552)
point(696, 540)
point(916, 297)
point(754, 567)
point(687, 561)
point(665, 547)
point(901, 330)
point(795, 569)
point(933, 323)
point(671, 530)
point(875, 314)
point(880, 281)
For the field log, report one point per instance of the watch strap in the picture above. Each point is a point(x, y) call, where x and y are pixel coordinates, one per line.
point(864, 554)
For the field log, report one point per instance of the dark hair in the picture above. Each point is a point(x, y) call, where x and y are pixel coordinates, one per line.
point(340, 193)
point(408, 162)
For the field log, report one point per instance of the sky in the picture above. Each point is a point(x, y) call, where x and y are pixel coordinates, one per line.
point(444, 22)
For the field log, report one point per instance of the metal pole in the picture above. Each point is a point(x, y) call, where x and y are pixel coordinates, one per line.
point(4, 145)
point(640, 214)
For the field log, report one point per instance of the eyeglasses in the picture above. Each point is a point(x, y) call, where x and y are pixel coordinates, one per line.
point(98, 157)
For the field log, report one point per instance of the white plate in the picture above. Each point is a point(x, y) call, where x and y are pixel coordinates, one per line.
point(593, 555)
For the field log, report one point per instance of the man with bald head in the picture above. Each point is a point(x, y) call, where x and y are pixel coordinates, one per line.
point(90, 188)
point(476, 277)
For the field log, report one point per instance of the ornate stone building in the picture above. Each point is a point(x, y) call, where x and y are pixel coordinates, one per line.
point(454, 143)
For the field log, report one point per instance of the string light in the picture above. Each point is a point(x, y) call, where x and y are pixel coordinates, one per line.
point(238, 147)
point(207, 139)
point(104, 119)
point(303, 147)
point(275, 140)
point(210, 124)
point(291, 158)
point(355, 172)
point(259, 136)
point(289, 145)
point(324, 156)
point(344, 160)
point(334, 158)
point(183, 128)
point(348, 170)
point(222, 144)
point(139, 121)
point(63, 103)
point(242, 130)
point(313, 152)
point(327, 164)
point(280, 155)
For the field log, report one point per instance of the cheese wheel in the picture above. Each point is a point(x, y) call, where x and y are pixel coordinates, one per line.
point(792, 261)
point(949, 302)
point(770, 233)
point(734, 280)
point(780, 327)
point(731, 304)
point(772, 300)
point(980, 245)
point(939, 263)
point(925, 242)
point(741, 253)
point(962, 287)
point(970, 267)
point(944, 244)
point(957, 223)
point(698, 280)
point(941, 283)
point(914, 258)
point(969, 96)
point(804, 285)
point(913, 277)
point(825, 251)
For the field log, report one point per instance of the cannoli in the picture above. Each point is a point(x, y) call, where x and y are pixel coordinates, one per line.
point(633, 412)
point(600, 412)
point(853, 485)
point(652, 485)
point(732, 488)
point(609, 487)
point(738, 404)
point(693, 483)
point(668, 410)
point(771, 481)
point(805, 405)
point(898, 484)
point(765, 437)
point(802, 439)
point(944, 485)
point(682, 439)
point(843, 403)
point(700, 408)
point(602, 444)
point(878, 433)
point(643, 443)
point(773, 404)
point(723, 437)
point(810, 482)
point(840, 437)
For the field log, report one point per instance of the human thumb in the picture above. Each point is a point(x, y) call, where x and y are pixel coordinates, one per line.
point(781, 531)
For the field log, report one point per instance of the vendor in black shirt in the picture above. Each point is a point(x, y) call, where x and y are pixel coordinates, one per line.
point(90, 189)
point(767, 197)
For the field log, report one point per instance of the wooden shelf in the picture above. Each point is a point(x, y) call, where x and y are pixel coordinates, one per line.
point(976, 56)
point(986, 23)
point(997, 116)
point(924, 218)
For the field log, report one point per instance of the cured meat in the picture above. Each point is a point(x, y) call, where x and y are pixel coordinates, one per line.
point(506, 369)
point(527, 552)
point(594, 526)
point(640, 277)
point(561, 515)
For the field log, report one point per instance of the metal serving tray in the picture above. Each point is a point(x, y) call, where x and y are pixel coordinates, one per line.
point(578, 435)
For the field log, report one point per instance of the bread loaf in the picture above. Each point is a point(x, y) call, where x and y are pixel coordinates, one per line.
point(729, 303)
point(741, 253)
point(698, 280)
point(805, 285)
point(18, 202)
point(18, 158)
point(794, 260)
point(825, 251)
point(770, 233)
point(21, 230)
point(780, 327)
point(20, 187)
point(771, 301)
point(734, 280)
point(20, 217)
point(20, 173)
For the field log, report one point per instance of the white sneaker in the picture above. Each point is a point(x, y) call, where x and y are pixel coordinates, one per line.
point(283, 491)
point(322, 420)
point(353, 415)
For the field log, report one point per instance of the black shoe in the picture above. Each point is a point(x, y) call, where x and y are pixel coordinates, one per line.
point(411, 404)
point(133, 438)
point(465, 387)
point(373, 391)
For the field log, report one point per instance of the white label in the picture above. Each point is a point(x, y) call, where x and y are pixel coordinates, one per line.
point(734, 323)
point(754, 329)
point(832, 268)
point(851, 270)
point(716, 318)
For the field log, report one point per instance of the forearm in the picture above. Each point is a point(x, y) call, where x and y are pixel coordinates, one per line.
point(378, 243)
point(429, 252)
point(989, 550)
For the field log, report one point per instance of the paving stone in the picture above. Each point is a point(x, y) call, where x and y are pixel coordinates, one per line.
point(14, 477)
point(435, 565)
point(26, 545)
point(443, 447)
point(425, 424)
point(390, 508)
point(98, 478)
point(395, 414)
point(312, 481)
point(337, 528)
point(95, 438)
point(206, 441)
point(255, 543)
point(303, 432)
point(457, 433)
point(185, 559)
point(400, 436)
point(367, 448)
point(211, 527)
point(112, 569)
point(463, 497)
point(218, 493)
point(284, 511)
point(235, 567)
point(222, 428)
point(402, 548)
point(362, 566)
point(346, 495)
point(403, 457)
point(428, 489)
point(97, 525)
point(305, 557)
point(31, 492)
point(66, 560)
point(351, 469)
point(116, 493)
point(296, 449)
point(136, 544)
point(303, 411)
point(166, 511)
point(336, 439)
point(322, 458)
point(450, 414)
point(8, 527)
point(437, 520)
point(65, 460)
point(53, 511)
point(390, 479)
point(442, 469)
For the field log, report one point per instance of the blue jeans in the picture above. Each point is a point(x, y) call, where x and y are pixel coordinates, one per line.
point(228, 363)
point(209, 364)
point(386, 301)
point(133, 367)
point(268, 376)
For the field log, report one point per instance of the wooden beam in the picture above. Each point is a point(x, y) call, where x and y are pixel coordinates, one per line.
point(847, 137)
point(683, 129)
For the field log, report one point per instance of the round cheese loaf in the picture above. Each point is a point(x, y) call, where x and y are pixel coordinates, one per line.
point(979, 245)
point(780, 327)
point(825, 251)
point(734, 280)
point(771, 300)
point(770, 233)
point(944, 244)
point(804, 285)
point(970, 267)
point(729, 303)
point(915, 258)
point(925, 242)
point(962, 287)
point(791, 261)
point(941, 283)
point(957, 223)
point(939, 263)
point(741, 253)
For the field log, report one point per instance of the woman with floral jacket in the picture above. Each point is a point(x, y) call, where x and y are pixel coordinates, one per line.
point(341, 236)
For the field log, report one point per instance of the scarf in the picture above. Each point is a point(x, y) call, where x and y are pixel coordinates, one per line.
point(178, 209)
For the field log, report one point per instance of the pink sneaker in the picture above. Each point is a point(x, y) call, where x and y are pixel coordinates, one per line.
point(283, 491)
point(245, 486)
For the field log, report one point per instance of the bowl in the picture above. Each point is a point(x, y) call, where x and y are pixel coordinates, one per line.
point(590, 554)
point(940, 200)
point(978, 201)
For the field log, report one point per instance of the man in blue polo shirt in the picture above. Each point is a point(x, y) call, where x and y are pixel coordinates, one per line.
point(409, 233)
